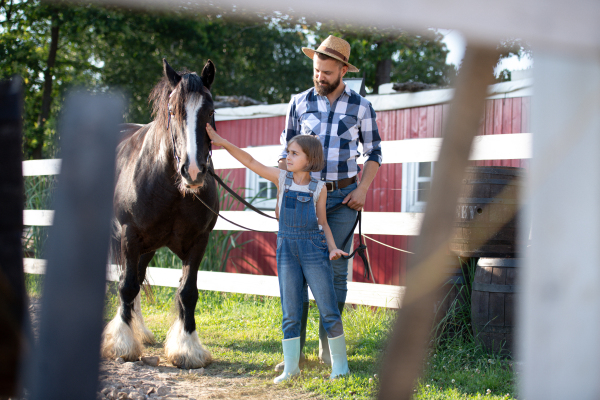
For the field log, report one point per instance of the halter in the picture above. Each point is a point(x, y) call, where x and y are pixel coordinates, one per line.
point(212, 123)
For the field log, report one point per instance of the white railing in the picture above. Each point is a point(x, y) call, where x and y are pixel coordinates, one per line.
point(492, 147)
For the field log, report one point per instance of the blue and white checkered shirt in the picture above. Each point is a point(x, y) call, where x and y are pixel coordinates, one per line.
point(339, 130)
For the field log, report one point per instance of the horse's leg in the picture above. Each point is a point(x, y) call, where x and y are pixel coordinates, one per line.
point(139, 328)
point(182, 346)
point(118, 338)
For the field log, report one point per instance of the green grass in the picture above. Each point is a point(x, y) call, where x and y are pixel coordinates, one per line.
point(244, 334)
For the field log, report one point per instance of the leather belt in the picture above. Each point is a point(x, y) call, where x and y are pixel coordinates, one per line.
point(342, 183)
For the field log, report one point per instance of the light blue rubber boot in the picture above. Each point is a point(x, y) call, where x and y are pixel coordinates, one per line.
point(339, 361)
point(291, 356)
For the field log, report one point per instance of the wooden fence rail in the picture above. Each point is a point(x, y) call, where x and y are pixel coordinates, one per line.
point(492, 147)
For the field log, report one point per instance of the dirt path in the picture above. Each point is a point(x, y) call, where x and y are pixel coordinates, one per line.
point(139, 381)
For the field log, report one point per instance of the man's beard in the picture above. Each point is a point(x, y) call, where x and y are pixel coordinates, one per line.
point(324, 90)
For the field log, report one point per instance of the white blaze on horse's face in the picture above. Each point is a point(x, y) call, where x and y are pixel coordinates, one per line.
point(191, 110)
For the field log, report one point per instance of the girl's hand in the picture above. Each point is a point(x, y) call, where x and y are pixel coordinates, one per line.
point(337, 253)
point(214, 136)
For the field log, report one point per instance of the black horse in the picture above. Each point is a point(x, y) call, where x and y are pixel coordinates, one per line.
point(161, 167)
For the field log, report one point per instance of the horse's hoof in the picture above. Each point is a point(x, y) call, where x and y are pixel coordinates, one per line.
point(184, 350)
point(118, 340)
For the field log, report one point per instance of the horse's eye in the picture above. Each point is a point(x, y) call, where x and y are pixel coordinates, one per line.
point(212, 113)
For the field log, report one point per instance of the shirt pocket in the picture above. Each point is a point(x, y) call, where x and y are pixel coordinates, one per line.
point(311, 123)
point(348, 128)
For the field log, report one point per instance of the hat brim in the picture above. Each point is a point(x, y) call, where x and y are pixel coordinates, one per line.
point(310, 53)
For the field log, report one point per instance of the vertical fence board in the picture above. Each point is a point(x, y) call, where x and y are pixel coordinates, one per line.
point(67, 361)
point(560, 305)
point(13, 315)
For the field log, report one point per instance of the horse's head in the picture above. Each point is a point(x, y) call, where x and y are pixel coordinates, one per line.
point(190, 108)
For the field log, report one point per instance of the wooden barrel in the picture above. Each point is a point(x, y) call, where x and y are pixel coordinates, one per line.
point(486, 214)
point(492, 303)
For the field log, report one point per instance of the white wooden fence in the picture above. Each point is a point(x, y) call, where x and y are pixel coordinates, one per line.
point(492, 147)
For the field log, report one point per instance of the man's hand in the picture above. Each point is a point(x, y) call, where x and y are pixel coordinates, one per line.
point(356, 199)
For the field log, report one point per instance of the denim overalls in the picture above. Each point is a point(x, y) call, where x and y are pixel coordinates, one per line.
point(303, 256)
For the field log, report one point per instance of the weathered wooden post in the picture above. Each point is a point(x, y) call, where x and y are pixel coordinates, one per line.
point(66, 363)
point(560, 308)
point(12, 280)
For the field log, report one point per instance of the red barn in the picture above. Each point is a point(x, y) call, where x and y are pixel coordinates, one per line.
point(397, 187)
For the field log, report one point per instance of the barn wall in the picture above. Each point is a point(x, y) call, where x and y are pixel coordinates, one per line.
point(502, 116)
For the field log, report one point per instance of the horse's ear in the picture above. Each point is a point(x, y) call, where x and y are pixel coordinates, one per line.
point(170, 73)
point(208, 74)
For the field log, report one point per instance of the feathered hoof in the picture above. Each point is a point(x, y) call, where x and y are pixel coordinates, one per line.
point(118, 340)
point(184, 350)
point(144, 334)
point(139, 328)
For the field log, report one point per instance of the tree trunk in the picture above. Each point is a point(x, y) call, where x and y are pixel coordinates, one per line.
point(383, 74)
point(47, 94)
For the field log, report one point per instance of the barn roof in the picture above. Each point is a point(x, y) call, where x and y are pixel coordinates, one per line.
point(384, 102)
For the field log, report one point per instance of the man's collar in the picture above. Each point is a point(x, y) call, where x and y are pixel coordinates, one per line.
point(347, 89)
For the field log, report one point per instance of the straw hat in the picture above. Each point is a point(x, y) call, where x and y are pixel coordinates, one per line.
point(333, 47)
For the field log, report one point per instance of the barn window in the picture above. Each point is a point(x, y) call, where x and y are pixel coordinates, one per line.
point(416, 183)
point(260, 191)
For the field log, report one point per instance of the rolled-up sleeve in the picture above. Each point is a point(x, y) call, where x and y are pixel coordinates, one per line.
point(369, 136)
point(291, 128)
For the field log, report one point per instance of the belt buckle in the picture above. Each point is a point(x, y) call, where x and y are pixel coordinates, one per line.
point(333, 186)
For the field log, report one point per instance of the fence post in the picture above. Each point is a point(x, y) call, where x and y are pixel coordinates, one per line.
point(559, 315)
point(66, 362)
point(404, 355)
point(12, 280)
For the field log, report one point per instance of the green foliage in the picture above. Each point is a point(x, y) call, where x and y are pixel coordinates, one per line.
point(109, 47)
point(458, 367)
point(456, 323)
point(462, 369)
point(415, 58)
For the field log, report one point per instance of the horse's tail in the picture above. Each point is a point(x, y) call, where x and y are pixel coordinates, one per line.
point(115, 256)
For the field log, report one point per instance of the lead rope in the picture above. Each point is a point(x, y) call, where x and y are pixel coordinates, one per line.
point(361, 247)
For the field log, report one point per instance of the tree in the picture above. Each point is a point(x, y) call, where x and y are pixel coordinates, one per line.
point(395, 56)
point(56, 46)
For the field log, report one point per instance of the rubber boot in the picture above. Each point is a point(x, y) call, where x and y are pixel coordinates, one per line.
point(323, 340)
point(339, 365)
point(303, 322)
point(291, 356)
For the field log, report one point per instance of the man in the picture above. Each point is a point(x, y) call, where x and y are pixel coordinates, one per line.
point(341, 119)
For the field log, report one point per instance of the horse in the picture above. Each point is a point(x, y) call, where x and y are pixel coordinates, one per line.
point(161, 167)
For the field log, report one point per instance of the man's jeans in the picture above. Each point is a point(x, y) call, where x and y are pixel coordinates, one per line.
point(341, 222)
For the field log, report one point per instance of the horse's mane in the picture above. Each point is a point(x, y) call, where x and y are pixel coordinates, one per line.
point(190, 84)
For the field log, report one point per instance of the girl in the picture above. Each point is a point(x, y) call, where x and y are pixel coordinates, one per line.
point(304, 246)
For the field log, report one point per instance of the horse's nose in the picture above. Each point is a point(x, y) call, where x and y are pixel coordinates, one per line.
point(185, 172)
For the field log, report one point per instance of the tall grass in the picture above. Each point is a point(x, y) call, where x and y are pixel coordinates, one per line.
point(458, 367)
point(39, 191)
point(456, 323)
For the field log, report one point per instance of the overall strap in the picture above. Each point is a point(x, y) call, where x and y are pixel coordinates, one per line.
point(312, 186)
point(288, 180)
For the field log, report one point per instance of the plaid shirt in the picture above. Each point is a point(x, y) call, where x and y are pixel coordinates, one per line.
point(339, 130)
